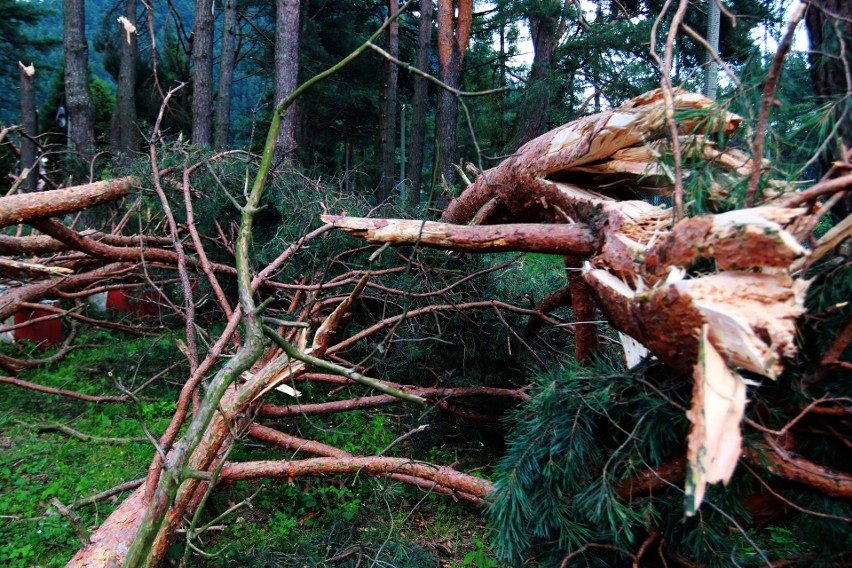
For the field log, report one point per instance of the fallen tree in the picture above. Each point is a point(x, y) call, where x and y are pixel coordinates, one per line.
point(714, 295)
point(713, 323)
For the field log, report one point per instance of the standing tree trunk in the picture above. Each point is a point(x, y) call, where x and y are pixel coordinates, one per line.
point(202, 81)
point(546, 28)
point(78, 100)
point(829, 24)
point(226, 76)
point(123, 133)
point(711, 75)
point(420, 103)
point(30, 126)
point(286, 71)
point(453, 35)
point(387, 118)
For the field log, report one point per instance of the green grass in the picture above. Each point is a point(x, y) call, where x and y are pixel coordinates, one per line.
point(38, 466)
point(306, 522)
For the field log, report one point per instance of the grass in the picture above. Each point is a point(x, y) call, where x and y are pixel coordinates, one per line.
point(309, 521)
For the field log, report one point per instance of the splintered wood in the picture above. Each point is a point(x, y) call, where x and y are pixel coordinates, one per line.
point(708, 296)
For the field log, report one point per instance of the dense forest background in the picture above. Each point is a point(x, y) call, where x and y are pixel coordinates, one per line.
point(203, 370)
point(598, 61)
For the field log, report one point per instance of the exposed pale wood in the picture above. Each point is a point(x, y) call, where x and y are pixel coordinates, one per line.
point(322, 338)
point(33, 267)
point(836, 235)
point(718, 405)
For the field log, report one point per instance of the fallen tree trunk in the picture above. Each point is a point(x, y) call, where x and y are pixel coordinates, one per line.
point(24, 207)
point(376, 466)
point(552, 239)
point(738, 312)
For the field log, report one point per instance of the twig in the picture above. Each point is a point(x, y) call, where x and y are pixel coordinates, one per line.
point(62, 392)
point(798, 417)
point(74, 519)
point(520, 339)
point(713, 53)
point(76, 433)
point(404, 437)
point(127, 486)
point(665, 65)
point(768, 100)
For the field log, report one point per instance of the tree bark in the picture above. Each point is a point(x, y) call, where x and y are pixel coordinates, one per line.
point(547, 179)
point(387, 118)
point(124, 135)
point(709, 324)
point(286, 72)
point(585, 312)
point(711, 73)
point(202, 80)
point(78, 100)
point(553, 239)
point(29, 123)
point(546, 27)
point(420, 104)
point(453, 36)
point(830, 65)
point(226, 76)
point(22, 208)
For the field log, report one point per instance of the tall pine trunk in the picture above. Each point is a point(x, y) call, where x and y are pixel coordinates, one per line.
point(78, 100)
point(711, 75)
point(829, 22)
point(387, 118)
point(286, 71)
point(453, 36)
point(546, 27)
point(226, 75)
point(124, 136)
point(420, 104)
point(202, 80)
point(30, 126)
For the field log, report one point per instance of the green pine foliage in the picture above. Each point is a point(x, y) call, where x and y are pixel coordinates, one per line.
point(582, 431)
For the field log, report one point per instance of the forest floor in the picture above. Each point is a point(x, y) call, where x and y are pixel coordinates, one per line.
point(348, 521)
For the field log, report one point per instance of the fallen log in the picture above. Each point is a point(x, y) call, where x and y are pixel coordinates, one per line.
point(376, 466)
point(552, 239)
point(24, 207)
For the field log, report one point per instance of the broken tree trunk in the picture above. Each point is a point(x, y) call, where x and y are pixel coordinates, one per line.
point(707, 296)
